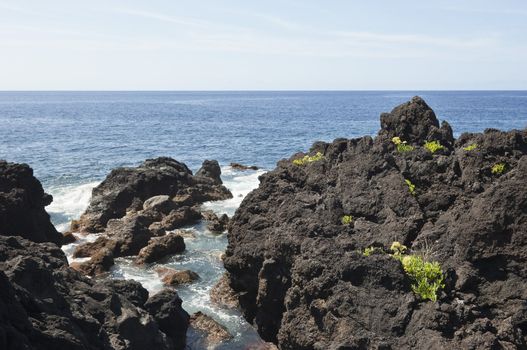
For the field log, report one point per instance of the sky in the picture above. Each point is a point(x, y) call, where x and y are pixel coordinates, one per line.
point(263, 45)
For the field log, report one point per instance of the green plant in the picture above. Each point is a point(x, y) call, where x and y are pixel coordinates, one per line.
point(308, 159)
point(346, 219)
point(498, 168)
point(427, 277)
point(401, 145)
point(433, 146)
point(411, 187)
point(398, 249)
point(370, 250)
point(471, 147)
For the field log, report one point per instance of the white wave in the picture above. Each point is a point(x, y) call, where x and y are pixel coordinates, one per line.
point(240, 183)
point(69, 202)
point(68, 249)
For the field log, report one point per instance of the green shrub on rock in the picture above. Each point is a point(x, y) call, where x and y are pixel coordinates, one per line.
point(433, 146)
point(370, 250)
point(427, 277)
point(498, 168)
point(411, 187)
point(308, 159)
point(346, 219)
point(471, 147)
point(402, 146)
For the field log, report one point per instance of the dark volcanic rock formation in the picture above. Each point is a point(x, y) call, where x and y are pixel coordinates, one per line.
point(125, 189)
point(133, 205)
point(44, 304)
point(299, 272)
point(22, 202)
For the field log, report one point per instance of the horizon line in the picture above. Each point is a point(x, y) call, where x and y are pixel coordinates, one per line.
point(269, 90)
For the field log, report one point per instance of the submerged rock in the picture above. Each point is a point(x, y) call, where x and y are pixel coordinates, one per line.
point(238, 166)
point(22, 203)
point(298, 269)
point(214, 332)
point(173, 278)
point(223, 295)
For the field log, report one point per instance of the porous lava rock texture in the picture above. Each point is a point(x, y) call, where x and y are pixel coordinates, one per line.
point(300, 273)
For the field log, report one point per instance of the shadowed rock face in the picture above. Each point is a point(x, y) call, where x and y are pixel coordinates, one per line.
point(22, 202)
point(299, 272)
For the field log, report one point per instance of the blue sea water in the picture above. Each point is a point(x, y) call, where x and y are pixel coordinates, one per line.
point(73, 139)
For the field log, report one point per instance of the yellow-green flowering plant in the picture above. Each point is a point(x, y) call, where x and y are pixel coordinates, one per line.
point(308, 159)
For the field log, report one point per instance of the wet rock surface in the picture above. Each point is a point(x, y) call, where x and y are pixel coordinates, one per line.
point(216, 224)
point(173, 278)
point(161, 247)
point(213, 332)
point(238, 166)
point(136, 208)
point(299, 272)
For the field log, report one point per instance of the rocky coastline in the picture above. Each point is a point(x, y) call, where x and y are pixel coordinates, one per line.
point(311, 254)
point(317, 256)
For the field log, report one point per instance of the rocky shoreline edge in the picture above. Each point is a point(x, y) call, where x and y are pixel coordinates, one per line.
point(311, 261)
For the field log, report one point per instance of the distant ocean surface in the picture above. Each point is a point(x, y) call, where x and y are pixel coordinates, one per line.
point(77, 137)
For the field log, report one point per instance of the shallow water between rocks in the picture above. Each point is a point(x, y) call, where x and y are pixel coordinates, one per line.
point(202, 255)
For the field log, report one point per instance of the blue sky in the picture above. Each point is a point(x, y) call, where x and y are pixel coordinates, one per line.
point(237, 45)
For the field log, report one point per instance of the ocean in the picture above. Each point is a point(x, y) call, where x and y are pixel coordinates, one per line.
point(73, 139)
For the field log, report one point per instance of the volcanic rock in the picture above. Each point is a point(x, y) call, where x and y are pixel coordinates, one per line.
point(44, 304)
point(22, 202)
point(165, 307)
point(298, 270)
point(238, 166)
point(214, 332)
point(173, 278)
point(223, 295)
point(125, 189)
point(215, 224)
point(210, 169)
point(160, 247)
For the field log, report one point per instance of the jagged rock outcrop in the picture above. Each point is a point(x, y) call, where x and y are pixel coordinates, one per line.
point(44, 304)
point(22, 203)
point(132, 206)
point(299, 271)
point(211, 170)
point(126, 189)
